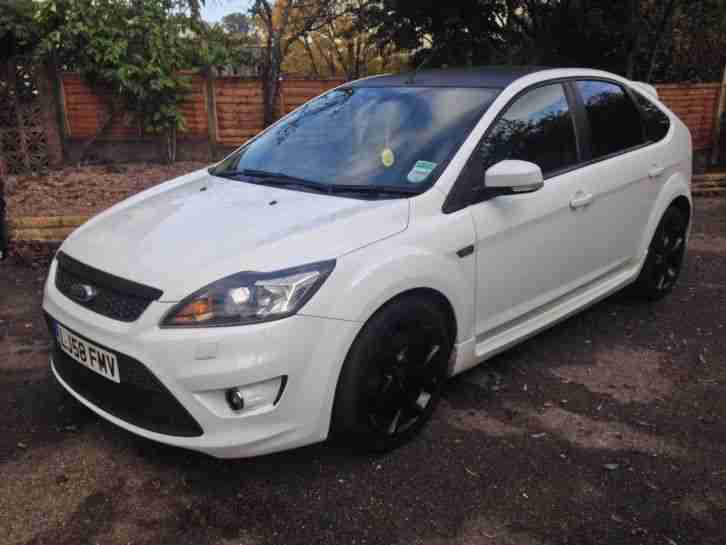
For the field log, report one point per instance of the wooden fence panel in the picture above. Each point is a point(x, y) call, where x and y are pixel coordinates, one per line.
point(86, 111)
point(239, 109)
point(296, 92)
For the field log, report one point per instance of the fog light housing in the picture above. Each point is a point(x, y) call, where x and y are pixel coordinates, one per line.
point(235, 399)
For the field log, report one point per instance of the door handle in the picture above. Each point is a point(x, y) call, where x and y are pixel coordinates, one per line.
point(655, 171)
point(580, 200)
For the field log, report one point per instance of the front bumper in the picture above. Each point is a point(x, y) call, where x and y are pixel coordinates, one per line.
point(198, 366)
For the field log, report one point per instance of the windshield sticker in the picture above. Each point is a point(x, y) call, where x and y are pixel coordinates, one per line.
point(388, 157)
point(421, 171)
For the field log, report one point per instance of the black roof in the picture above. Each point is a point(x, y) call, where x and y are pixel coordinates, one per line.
point(493, 77)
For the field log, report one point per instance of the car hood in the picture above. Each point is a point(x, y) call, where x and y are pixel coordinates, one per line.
point(189, 232)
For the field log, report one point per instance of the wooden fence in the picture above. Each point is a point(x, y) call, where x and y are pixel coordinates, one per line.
point(225, 110)
point(696, 105)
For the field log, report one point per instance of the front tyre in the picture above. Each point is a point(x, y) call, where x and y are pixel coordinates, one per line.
point(393, 376)
point(665, 257)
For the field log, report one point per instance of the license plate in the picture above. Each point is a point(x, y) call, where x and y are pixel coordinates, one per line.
point(96, 359)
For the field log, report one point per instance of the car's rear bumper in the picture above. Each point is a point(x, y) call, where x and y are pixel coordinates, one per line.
point(198, 366)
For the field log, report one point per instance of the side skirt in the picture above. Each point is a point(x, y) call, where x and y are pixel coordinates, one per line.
point(474, 351)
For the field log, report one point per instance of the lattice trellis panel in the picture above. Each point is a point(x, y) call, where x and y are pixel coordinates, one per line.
point(22, 138)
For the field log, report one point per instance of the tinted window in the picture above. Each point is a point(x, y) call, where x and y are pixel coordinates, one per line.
point(538, 128)
point(368, 136)
point(614, 119)
point(655, 121)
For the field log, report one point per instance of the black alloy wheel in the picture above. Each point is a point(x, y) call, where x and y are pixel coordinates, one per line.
point(665, 256)
point(393, 377)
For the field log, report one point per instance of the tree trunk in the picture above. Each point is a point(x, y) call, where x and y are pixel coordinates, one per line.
point(46, 80)
point(271, 77)
point(660, 31)
point(311, 56)
point(270, 90)
point(632, 30)
point(88, 144)
point(171, 145)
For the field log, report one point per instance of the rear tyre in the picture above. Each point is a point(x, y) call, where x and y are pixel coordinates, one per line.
point(393, 376)
point(665, 257)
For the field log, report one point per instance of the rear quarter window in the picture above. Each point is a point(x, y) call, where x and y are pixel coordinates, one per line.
point(655, 122)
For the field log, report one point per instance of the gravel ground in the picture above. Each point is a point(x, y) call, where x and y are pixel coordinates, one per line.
point(87, 189)
point(608, 429)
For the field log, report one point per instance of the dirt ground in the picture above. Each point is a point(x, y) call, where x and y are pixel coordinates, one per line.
point(607, 429)
point(87, 189)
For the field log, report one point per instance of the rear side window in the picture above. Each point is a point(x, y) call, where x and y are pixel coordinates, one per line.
point(656, 123)
point(537, 127)
point(614, 120)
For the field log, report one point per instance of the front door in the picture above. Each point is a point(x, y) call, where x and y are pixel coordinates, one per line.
point(529, 248)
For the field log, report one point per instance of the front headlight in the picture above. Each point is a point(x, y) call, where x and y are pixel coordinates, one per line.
point(249, 297)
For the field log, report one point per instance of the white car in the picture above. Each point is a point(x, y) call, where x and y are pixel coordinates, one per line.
point(328, 276)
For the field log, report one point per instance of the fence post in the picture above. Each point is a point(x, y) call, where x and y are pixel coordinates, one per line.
point(716, 149)
point(212, 124)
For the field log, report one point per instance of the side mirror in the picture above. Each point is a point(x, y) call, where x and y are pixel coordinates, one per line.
point(512, 177)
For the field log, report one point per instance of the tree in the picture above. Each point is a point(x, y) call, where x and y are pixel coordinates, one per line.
point(237, 23)
point(135, 49)
point(18, 30)
point(465, 32)
point(282, 24)
point(641, 39)
point(345, 45)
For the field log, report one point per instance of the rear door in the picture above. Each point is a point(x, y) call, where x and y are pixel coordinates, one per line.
point(622, 175)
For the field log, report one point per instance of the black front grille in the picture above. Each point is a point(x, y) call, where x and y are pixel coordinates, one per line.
point(139, 399)
point(116, 297)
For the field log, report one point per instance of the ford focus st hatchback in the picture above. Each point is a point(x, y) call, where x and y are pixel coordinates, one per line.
point(328, 276)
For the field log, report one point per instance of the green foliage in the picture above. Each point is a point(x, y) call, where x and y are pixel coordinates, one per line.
point(662, 40)
point(19, 30)
point(237, 23)
point(134, 48)
point(217, 47)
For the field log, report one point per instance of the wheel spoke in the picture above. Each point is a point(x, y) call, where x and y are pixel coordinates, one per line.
point(394, 423)
point(421, 402)
point(432, 353)
point(677, 244)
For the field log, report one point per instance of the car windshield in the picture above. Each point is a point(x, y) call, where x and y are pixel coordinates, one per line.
point(399, 138)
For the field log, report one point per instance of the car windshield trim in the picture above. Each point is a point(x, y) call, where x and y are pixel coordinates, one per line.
point(277, 179)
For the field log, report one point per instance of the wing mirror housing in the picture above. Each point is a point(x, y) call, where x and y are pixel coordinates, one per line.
point(513, 177)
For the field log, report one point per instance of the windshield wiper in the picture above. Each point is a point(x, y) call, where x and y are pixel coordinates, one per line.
point(277, 179)
point(375, 190)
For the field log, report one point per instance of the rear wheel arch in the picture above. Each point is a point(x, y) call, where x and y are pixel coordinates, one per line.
point(684, 205)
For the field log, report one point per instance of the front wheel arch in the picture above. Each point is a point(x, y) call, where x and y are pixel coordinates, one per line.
point(345, 421)
point(436, 297)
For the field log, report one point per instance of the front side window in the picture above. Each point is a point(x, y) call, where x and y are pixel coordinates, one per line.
point(367, 136)
point(538, 127)
point(655, 122)
point(614, 120)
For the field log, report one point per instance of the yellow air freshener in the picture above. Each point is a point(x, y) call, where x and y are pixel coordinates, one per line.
point(388, 157)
